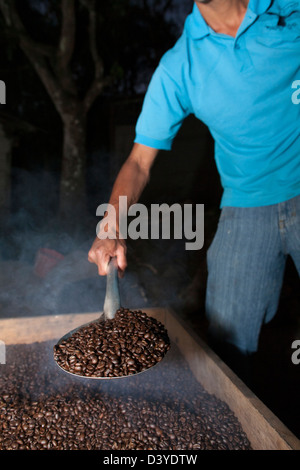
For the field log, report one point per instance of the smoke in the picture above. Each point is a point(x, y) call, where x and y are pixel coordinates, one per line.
point(31, 284)
point(73, 284)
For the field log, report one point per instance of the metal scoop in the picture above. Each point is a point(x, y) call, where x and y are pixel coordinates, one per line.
point(111, 304)
point(112, 301)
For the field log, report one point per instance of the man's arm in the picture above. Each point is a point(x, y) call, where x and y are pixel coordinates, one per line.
point(130, 182)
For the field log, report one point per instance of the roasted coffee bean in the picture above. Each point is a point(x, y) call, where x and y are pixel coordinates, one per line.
point(42, 408)
point(143, 340)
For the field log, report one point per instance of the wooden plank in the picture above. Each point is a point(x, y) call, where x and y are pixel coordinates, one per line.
point(264, 430)
point(43, 328)
point(37, 329)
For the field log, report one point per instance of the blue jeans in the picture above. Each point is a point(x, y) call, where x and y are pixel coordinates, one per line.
point(246, 263)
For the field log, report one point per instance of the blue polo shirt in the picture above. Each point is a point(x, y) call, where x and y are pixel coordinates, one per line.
point(242, 88)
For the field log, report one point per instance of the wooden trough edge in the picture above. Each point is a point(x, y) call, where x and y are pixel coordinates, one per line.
point(263, 429)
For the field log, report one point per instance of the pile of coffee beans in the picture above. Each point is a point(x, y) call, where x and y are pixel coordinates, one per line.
point(165, 408)
point(129, 343)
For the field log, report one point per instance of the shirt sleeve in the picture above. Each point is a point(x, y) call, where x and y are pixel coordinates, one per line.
point(164, 109)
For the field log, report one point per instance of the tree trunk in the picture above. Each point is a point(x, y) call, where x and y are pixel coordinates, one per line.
point(73, 172)
point(53, 66)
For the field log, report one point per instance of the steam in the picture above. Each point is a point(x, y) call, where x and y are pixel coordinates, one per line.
point(156, 273)
point(155, 277)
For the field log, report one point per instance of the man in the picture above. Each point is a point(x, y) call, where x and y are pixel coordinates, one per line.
point(234, 67)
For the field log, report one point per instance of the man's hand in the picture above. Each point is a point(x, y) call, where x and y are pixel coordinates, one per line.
point(102, 250)
point(130, 182)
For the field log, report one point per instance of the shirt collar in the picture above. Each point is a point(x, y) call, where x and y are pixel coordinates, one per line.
point(259, 6)
point(195, 25)
point(197, 28)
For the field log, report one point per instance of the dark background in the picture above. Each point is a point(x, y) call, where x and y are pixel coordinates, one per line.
point(131, 38)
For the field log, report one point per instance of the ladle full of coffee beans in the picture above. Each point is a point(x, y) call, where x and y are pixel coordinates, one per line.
point(121, 342)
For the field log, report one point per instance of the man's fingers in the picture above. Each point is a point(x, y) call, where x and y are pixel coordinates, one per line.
point(102, 262)
point(121, 258)
point(100, 257)
point(101, 253)
point(92, 256)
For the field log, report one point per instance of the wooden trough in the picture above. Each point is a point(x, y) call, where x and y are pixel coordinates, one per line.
point(264, 430)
